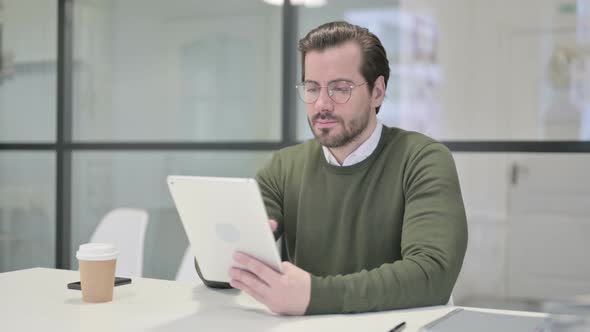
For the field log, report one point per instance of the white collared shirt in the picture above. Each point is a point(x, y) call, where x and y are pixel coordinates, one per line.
point(361, 153)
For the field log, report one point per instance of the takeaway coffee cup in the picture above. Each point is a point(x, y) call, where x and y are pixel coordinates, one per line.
point(97, 271)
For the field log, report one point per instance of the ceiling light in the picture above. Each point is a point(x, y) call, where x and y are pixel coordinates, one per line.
point(305, 3)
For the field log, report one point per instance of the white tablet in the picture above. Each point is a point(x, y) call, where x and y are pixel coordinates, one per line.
point(221, 216)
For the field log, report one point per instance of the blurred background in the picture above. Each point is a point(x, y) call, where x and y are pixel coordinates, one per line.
point(100, 100)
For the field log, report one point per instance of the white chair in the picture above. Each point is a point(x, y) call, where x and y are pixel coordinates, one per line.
point(186, 271)
point(451, 302)
point(125, 228)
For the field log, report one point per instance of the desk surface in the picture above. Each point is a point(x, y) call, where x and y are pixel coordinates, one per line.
point(38, 300)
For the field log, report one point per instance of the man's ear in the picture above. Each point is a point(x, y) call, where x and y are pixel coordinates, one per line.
point(378, 93)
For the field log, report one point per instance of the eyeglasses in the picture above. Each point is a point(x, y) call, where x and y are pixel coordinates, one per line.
point(339, 91)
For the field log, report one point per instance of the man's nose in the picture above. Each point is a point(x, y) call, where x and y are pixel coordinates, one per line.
point(324, 102)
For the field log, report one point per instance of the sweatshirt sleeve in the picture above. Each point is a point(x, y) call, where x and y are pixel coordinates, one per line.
point(271, 187)
point(433, 245)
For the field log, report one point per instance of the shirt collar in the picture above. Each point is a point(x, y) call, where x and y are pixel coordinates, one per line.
point(361, 153)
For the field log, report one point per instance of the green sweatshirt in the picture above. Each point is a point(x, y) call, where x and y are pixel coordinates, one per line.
point(389, 232)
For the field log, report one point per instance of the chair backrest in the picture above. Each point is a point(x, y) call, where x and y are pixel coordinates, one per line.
point(125, 228)
point(451, 301)
point(187, 271)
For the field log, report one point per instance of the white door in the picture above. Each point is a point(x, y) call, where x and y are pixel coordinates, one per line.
point(548, 226)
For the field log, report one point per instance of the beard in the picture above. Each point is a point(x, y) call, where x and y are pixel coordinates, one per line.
point(350, 131)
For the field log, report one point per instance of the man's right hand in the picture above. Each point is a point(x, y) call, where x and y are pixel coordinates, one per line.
point(273, 225)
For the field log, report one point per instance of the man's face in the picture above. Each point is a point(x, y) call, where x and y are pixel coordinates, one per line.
point(336, 125)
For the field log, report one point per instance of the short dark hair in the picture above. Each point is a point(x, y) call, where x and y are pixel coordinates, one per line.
point(374, 61)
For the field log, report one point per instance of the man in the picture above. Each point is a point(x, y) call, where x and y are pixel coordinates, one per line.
point(372, 216)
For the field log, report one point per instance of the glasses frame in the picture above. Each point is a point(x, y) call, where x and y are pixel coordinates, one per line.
point(351, 85)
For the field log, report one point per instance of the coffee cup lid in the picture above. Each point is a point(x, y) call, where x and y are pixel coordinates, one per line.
point(97, 251)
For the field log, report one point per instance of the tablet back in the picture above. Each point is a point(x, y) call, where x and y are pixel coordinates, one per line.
point(460, 320)
point(221, 216)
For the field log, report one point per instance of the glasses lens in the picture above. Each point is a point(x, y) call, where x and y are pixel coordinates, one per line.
point(340, 91)
point(308, 92)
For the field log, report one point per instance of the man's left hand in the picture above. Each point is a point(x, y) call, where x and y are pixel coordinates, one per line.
point(285, 294)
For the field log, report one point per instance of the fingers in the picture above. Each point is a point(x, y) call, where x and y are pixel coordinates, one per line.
point(249, 280)
point(288, 295)
point(287, 266)
point(273, 225)
point(243, 287)
point(259, 269)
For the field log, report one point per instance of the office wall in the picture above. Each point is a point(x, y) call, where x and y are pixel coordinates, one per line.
point(27, 209)
point(498, 68)
point(143, 71)
point(29, 53)
point(168, 71)
point(27, 114)
point(164, 71)
point(528, 228)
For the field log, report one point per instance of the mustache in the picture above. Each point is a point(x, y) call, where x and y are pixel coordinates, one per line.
point(324, 116)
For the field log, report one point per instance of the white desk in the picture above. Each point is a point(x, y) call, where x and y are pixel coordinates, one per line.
point(38, 300)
